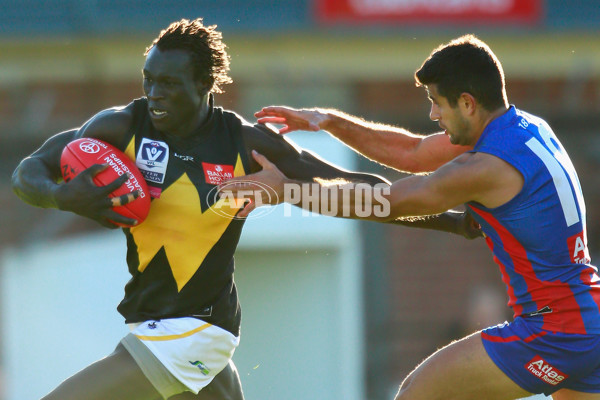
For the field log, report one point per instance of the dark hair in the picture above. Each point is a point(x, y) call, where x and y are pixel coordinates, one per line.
point(465, 64)
point(207, 51)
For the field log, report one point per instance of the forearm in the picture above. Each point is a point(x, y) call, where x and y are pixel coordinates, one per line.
point(308, 167)
point(371, 202)
point(446, 222)
point(36, 178)
point(388, 145)
point(33, 182)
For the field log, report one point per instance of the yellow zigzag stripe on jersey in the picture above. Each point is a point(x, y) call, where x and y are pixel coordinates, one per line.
point(177, 223)
point(173, 337)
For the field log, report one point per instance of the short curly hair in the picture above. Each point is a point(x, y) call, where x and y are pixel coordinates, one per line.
point(465, 64)
point(206, 48)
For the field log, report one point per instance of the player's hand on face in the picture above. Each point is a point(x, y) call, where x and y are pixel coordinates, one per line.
point(81, 196)
point(265, 187)
point(291, 119)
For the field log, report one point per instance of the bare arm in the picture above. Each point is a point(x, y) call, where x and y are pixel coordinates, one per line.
point(460, 223)
point(470, 177)
point(305, 166)
point(298, 163)
point(386, 144)
point(37, 180)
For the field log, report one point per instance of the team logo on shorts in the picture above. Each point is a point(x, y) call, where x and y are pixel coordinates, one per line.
point(203, 368)
point(546, 372)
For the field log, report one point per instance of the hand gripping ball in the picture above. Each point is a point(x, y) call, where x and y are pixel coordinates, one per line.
point(81, 154)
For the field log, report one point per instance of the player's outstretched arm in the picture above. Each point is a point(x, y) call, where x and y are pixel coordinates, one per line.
point(471, 177)
point(305, 167)
point(385, 144)
point(298, 163)
point(37, 180)
point(458, 222)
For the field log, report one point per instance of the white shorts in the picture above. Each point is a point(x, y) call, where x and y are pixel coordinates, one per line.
point(193, 350)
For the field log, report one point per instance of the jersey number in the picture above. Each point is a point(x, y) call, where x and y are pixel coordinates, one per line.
point(554, 159)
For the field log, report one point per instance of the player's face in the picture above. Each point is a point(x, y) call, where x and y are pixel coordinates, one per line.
point(451, 119)
point(175, 98)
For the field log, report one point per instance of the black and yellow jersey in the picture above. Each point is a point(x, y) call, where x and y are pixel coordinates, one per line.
point(181, 257)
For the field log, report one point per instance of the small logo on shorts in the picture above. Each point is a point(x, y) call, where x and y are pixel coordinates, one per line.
point(546, 372)
point(203, 368)
point(152, 325)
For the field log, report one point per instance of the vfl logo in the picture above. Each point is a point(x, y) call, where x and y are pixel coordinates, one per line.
point(546, 372)
point(153, 152)
point(152, 160)
point(89, 147)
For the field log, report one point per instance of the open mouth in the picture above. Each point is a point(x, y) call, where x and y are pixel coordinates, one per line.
point(157, 113)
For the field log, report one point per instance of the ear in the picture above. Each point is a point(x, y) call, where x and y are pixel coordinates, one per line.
point(467, 103)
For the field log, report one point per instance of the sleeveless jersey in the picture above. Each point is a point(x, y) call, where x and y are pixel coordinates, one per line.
point(539, 237)
point(181, 256)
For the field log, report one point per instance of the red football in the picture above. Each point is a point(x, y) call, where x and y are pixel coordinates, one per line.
point(81, 154)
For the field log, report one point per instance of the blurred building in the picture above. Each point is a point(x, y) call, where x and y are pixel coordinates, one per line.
point(62, 61)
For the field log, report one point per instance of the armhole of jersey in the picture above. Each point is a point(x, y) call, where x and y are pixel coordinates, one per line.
point(236, 127)
point(513, 163)
point(507, 158)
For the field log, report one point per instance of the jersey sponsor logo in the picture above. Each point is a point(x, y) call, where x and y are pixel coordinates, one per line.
point(578, 249)
point(152, 159)
point(215, 174)
point(546, 372)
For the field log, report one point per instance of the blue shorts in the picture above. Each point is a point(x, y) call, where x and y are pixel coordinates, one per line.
point(541, 361)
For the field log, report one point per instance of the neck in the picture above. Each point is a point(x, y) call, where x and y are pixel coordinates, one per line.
point(202, 115)
point(493, 115)
point(488, 117)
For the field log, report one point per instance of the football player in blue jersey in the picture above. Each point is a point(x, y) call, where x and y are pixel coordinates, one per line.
point(518, 182)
